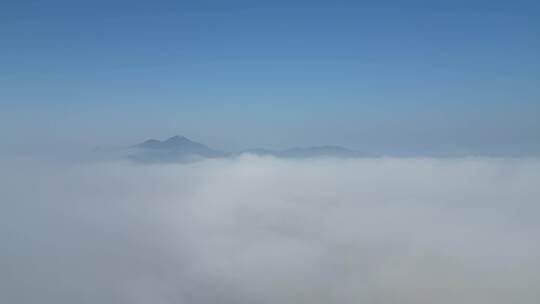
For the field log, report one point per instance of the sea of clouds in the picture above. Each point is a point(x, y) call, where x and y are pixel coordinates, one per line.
point(265, 230)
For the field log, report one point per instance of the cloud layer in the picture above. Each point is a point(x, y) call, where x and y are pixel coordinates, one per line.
point(263, 230)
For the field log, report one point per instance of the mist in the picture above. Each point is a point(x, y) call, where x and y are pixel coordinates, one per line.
point(266, 230)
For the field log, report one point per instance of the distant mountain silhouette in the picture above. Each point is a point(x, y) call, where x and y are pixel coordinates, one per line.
point(322, 151)
point(176, 148)
point(309, 152)
point(182, 149)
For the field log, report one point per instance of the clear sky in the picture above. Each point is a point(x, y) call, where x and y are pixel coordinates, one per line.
point(391, 77)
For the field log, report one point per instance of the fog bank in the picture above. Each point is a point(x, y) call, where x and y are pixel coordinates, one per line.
point(264, 230)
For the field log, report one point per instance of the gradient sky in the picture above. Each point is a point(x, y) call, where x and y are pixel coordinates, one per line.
point(391, 77)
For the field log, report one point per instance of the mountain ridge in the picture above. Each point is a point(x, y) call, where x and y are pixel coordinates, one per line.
point(180, 148)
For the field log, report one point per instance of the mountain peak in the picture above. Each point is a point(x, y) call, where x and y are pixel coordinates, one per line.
point(177, 138)
point(176, 148)
point(172, 142)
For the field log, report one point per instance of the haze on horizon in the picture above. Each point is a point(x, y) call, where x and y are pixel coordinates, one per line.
point(389, 77)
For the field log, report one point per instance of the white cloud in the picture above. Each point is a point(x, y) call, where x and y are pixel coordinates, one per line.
point(262, 230)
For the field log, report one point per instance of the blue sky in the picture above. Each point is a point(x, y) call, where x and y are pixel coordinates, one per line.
point(392, 77)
